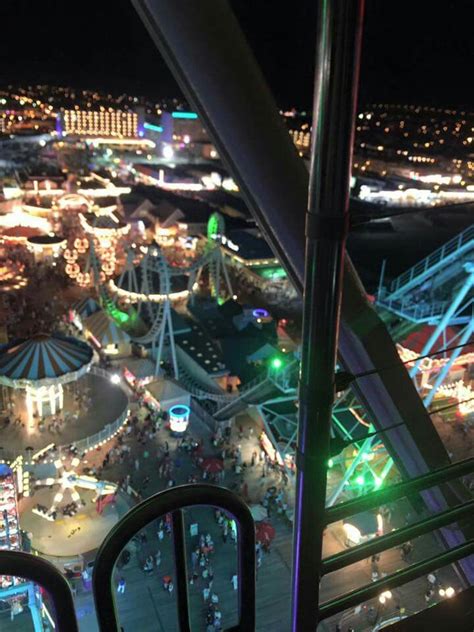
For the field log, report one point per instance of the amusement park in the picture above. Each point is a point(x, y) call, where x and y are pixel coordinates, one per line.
point(236, 345)
point(158, 336)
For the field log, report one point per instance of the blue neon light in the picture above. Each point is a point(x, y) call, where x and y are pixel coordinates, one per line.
point(154, 128)
point(184, 115)
point(180, 411)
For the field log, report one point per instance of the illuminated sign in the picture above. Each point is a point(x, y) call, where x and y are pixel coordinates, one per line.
point(179, 418)
point(153, 128)
point(184, 115)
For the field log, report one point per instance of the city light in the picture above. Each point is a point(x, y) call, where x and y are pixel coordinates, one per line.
point(167, 152)
point(187, 321)
point(384, 596)
point(153, 128)
point(184, 115)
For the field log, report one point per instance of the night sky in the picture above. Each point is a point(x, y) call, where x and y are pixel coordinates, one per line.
point(413, 52)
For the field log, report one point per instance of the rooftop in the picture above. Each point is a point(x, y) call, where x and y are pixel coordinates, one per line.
point(203, 350)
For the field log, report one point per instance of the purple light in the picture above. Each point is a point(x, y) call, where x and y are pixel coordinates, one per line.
point(260, 313)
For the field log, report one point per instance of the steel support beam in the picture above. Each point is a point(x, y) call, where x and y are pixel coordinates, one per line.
point(350, 471)
point(206, 50)
point(253, 141)
point(445, 320)
point(334, 110)
point(446, 368)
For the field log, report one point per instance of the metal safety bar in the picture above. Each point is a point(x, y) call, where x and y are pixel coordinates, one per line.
point(400, 490)
point(43, 573)
point(395, 538)
point(173, 501)
point(359, 595)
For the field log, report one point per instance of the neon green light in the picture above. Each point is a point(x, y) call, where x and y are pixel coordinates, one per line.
point(120, 317)
point(330, 463)
point(360, 480)
point(213, 226)
point(277, 363)
point(271, 273)
point(377, 481)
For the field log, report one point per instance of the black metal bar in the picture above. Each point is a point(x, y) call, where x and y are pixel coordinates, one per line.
point(359, 595)
point(43, 573)
point(206, 50)
point(394, 538)
point(181, 572)
point(394, 492)
point(337, 66)
point(170, 501)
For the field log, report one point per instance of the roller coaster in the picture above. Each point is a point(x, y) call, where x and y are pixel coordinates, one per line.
point(138, 286)
point(446, 273)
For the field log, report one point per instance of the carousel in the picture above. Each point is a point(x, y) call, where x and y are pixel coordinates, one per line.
point(53, 394)
point(41, 366)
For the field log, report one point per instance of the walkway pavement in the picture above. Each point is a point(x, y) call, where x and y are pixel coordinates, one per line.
point(146, 606)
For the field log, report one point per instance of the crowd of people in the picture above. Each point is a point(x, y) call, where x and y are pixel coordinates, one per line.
point(183, 459)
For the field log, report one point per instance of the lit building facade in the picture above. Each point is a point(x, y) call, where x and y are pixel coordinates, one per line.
point(301, 138)
point(182, 127)
point(105, 122)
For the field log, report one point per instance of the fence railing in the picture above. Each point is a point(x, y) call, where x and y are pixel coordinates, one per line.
point(452, 248)
point(416, 312)
point(89, 443)
point(82, 445)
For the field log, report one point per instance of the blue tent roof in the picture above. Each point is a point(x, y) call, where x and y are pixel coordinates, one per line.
point(43, 357)
point(86, 306)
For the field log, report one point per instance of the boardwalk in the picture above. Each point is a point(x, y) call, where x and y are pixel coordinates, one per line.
point(145, 606)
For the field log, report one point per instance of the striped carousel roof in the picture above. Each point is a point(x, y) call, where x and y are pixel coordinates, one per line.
point(105, 330)
point(86, 306)
point(43, 357)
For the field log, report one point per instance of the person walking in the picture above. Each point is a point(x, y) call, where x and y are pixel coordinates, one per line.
point(137, 464)
point(235, 581)
point(206, 593)
point(432, 580)
point(407, 549)
point(121, 585)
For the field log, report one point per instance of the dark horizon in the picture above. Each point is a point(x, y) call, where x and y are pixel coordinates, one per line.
point(410, 54)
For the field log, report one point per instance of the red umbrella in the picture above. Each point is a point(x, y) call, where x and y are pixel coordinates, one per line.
point(212, 465)
point(265, 532)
